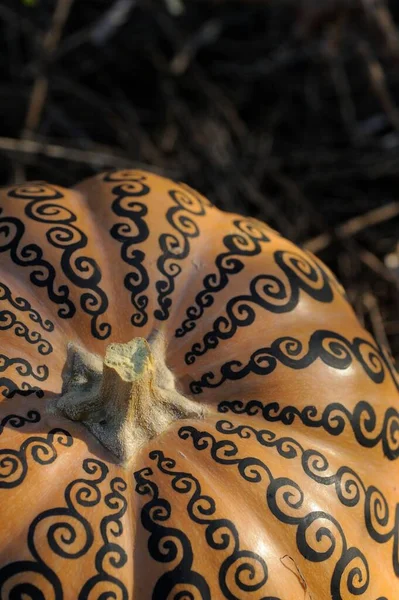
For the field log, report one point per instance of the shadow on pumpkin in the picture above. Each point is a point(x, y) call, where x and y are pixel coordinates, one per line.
point(24, 426)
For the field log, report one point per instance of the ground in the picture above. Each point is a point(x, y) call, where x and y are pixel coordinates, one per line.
point(284, 110)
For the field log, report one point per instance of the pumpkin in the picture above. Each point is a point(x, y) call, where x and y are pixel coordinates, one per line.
point(190, 407)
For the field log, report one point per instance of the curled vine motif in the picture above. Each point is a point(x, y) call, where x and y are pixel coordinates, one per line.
point(270, 293)
point(67, 532)
point(23, 305)
point(319, 536)
point(23, 367)
point(111, 555)
point(10, 388)
point(350, 489)
point(8, 320)
point(247, 241)
point(176, 246)
point(131, 185)
point(18, 421)
point(168, 545)
point(246, 568)
point(64, 235)
point(12, 231)
point(334, 418)
point(42, 450)
point(333, 349)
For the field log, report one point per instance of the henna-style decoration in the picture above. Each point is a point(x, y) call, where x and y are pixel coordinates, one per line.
point(349, 487)
point(168, 544)
point(269, 293)
point(14, 463)
point(18, 421)
point(246, 242)
point(64, 235)
point(111, 553)
point(127, 186)
point(8, 320)
point(332, 348)
point(10, 388)
point(318, 534)
point(240, 566)
point(69, 535)
point(176, 246)
point(24, 367)
point(334, 418)
point(23, 305)
point(12, 231)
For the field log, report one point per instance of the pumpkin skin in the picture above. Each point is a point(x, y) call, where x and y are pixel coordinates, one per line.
point(288, 489)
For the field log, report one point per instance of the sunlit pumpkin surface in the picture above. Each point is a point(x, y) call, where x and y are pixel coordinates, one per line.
point(288, 489)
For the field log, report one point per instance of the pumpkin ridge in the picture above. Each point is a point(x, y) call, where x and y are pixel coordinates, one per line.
point(176, 247)
point(238, 244)
point(63, 234)
point(333, 418)
point(240, 312)
point(23, 305)
point(283, 506)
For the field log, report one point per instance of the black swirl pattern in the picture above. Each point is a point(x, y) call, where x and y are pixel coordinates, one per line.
point(23, 305)
point(176, 247)
point(18, 421)
point(64, 234)
point(166, 544)
point(349, 487)
point(12, 231)
point(24, 368)
point(14, 463)
point(129, 185)
point(334, 419)
point(10, 388)
point(270, 293)
point(331, 348)
point(69, 535)
point(8, 320)
point(319, 536)
point(247, 241)
point(111, 553)
point(240, 566)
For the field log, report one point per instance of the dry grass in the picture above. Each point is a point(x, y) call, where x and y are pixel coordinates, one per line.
point(287, 111)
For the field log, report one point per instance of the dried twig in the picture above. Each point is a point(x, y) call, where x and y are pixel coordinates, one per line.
point(40, 86)
point(353, 226)
point(379, 83)
point(109, 23)
point(96, 158)
point(298, 574)
point(377, 323)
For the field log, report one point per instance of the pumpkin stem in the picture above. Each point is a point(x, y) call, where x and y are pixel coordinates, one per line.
point(126, 399)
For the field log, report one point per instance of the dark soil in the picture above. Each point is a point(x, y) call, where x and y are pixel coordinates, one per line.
point(284, 110)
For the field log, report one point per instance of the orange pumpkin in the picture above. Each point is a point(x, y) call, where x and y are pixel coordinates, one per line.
point(190, 409)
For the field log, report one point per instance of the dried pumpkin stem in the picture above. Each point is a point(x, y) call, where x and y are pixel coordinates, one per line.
point(126, 399)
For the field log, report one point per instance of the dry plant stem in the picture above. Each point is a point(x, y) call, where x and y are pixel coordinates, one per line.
point(377, 322)
point(126, 399)
point(40, 87)
point(354, 226)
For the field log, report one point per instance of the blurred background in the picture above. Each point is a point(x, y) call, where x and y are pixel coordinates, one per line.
point(286, 110)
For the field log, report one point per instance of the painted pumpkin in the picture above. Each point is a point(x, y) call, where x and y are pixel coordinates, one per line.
point(190, 409)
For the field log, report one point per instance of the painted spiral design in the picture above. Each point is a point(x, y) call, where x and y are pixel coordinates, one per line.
point(63, 233)
point(127, 187)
